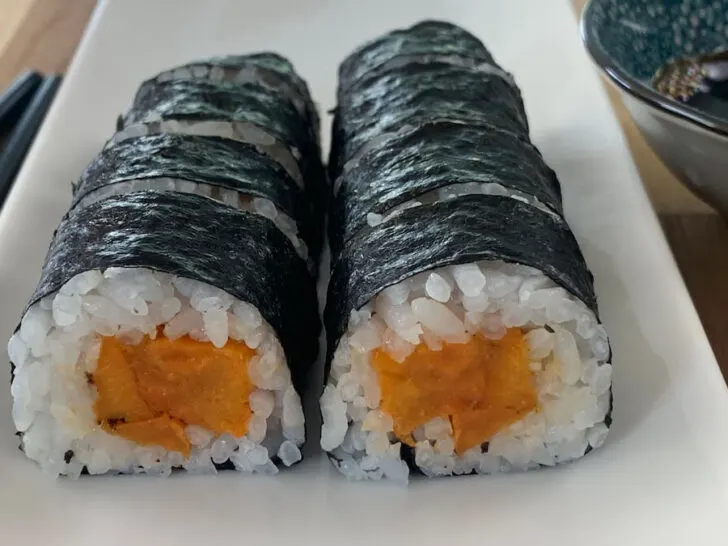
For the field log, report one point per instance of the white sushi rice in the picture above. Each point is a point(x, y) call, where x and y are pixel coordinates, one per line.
point(241, 131)
point(58, 344)
point(450, 304)
point(231, 74)
point(233, 198)
point(454, 191)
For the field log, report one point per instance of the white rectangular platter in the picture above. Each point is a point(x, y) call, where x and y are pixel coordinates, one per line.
point(661, 478)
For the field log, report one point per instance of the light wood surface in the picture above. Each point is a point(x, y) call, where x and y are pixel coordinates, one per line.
point(12, 13)
point(45, 37)
point(43, 34)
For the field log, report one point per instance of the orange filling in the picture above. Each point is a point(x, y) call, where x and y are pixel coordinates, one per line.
point(481, 386)
point(149, 392)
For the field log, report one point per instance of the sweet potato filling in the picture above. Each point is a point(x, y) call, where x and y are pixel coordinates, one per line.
point(481, 386)
point(148, 393)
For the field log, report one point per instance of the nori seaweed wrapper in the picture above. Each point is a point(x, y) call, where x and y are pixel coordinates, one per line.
point(198, 100)
point(424, 38)
point(422, 109)
point(466, 229)
point(384, 102)
point(275, 65)
point(268, 69)
point(274, 62)
point(204, 100)
point(432, 156)
point(194, 237)
point(207, 160)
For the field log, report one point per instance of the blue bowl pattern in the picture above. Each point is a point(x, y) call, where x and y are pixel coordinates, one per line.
point(630, 40)
point(640, 36)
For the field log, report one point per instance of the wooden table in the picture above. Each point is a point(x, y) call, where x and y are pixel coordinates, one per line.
point(42, 34)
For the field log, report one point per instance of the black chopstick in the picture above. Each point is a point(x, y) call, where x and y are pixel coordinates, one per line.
point(22, 136)
point(16, 98)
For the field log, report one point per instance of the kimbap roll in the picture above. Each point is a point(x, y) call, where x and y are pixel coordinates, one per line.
point(268, 69)
point(161, 336)
point(268, 108)
point(176, 318)
point(391, 178)
point(462, 324)
point(225, 170)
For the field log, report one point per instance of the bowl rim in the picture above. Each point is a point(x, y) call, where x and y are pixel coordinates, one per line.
point(638, 89)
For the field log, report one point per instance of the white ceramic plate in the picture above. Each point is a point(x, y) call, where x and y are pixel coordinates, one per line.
point(660, 479)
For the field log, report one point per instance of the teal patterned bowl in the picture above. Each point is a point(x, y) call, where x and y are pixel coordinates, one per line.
point(630, 40)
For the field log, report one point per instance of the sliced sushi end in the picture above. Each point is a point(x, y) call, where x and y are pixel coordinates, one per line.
point(152, 373)
point(149, 392)
point(481, 387)
point(476, 368)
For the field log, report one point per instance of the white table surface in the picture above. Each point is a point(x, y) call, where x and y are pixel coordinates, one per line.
point(660, 478)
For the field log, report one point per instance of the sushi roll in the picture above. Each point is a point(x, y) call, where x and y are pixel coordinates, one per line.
point(465, 339)
point(390, 178)
point(433, 40)
point(268, 69)
point(428, 71)
point(462, 323)
point(243, 112)
point(228, 171)
point(265, 112)
point(162, 336)
point(176, 318)
point(386, 99)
